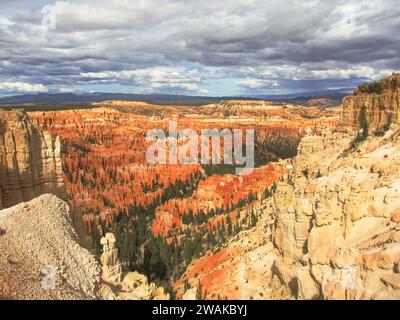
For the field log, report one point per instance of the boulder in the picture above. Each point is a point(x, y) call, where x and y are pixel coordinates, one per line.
point(134, 280)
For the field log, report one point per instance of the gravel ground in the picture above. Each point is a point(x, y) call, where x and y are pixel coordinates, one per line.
point(37, 234)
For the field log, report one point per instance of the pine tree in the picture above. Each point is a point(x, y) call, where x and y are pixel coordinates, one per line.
point(229, 222)
point(199, 295)
point(188, 251)
point(364, 122)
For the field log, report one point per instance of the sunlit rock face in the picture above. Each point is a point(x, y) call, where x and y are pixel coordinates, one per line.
point(30, 161)
point(374, 105)
point(331, 228)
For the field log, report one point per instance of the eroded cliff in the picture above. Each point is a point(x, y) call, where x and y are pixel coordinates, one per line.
point(374, 106)
point(331, 228)
point(337, 230)
point(30, 161)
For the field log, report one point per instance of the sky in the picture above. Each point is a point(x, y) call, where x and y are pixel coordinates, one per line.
point(211, 48)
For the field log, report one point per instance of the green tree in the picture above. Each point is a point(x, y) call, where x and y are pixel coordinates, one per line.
point(364, 122)
point(199, 295)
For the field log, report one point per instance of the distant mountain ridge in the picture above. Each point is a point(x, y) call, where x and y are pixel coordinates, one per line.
point(59, 98)
point(330, 94)
point(45, 98)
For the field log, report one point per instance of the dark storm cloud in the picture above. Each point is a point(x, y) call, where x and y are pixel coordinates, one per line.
point(184, 46)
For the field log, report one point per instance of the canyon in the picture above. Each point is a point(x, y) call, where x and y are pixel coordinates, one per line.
point(318, 218)
point(329, 231)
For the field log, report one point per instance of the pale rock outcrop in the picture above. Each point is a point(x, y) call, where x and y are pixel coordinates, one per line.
point(307, 289)
point(138, 287)
point(120, 286)
point(106, 293)
point(160, 294)
point(190, 294)
point(133, 280)
point(375, 105)
point(111, 267)
point(30, 160)
point(336, 219)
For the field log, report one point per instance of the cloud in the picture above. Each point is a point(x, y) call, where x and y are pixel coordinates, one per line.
point(22, 87)
point(63, 89)
point(258, 83)
point(157, 78)
point(181, 46)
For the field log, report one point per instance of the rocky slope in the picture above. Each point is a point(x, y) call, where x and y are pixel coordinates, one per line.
point(38, 240)
point(30, 162)
point(337, 219)
point(330, 231)
point(41, 259)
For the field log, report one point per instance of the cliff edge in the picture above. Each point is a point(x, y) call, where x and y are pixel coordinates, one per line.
point(30, 160)
point(374, 106)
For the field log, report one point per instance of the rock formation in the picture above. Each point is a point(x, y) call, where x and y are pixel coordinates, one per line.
point(213, 193)
point(30, 161)
point(331, 228)
point(335, 225)
point(375, 105)
point(111, 267)
point(134, 285)
point(190, 294)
